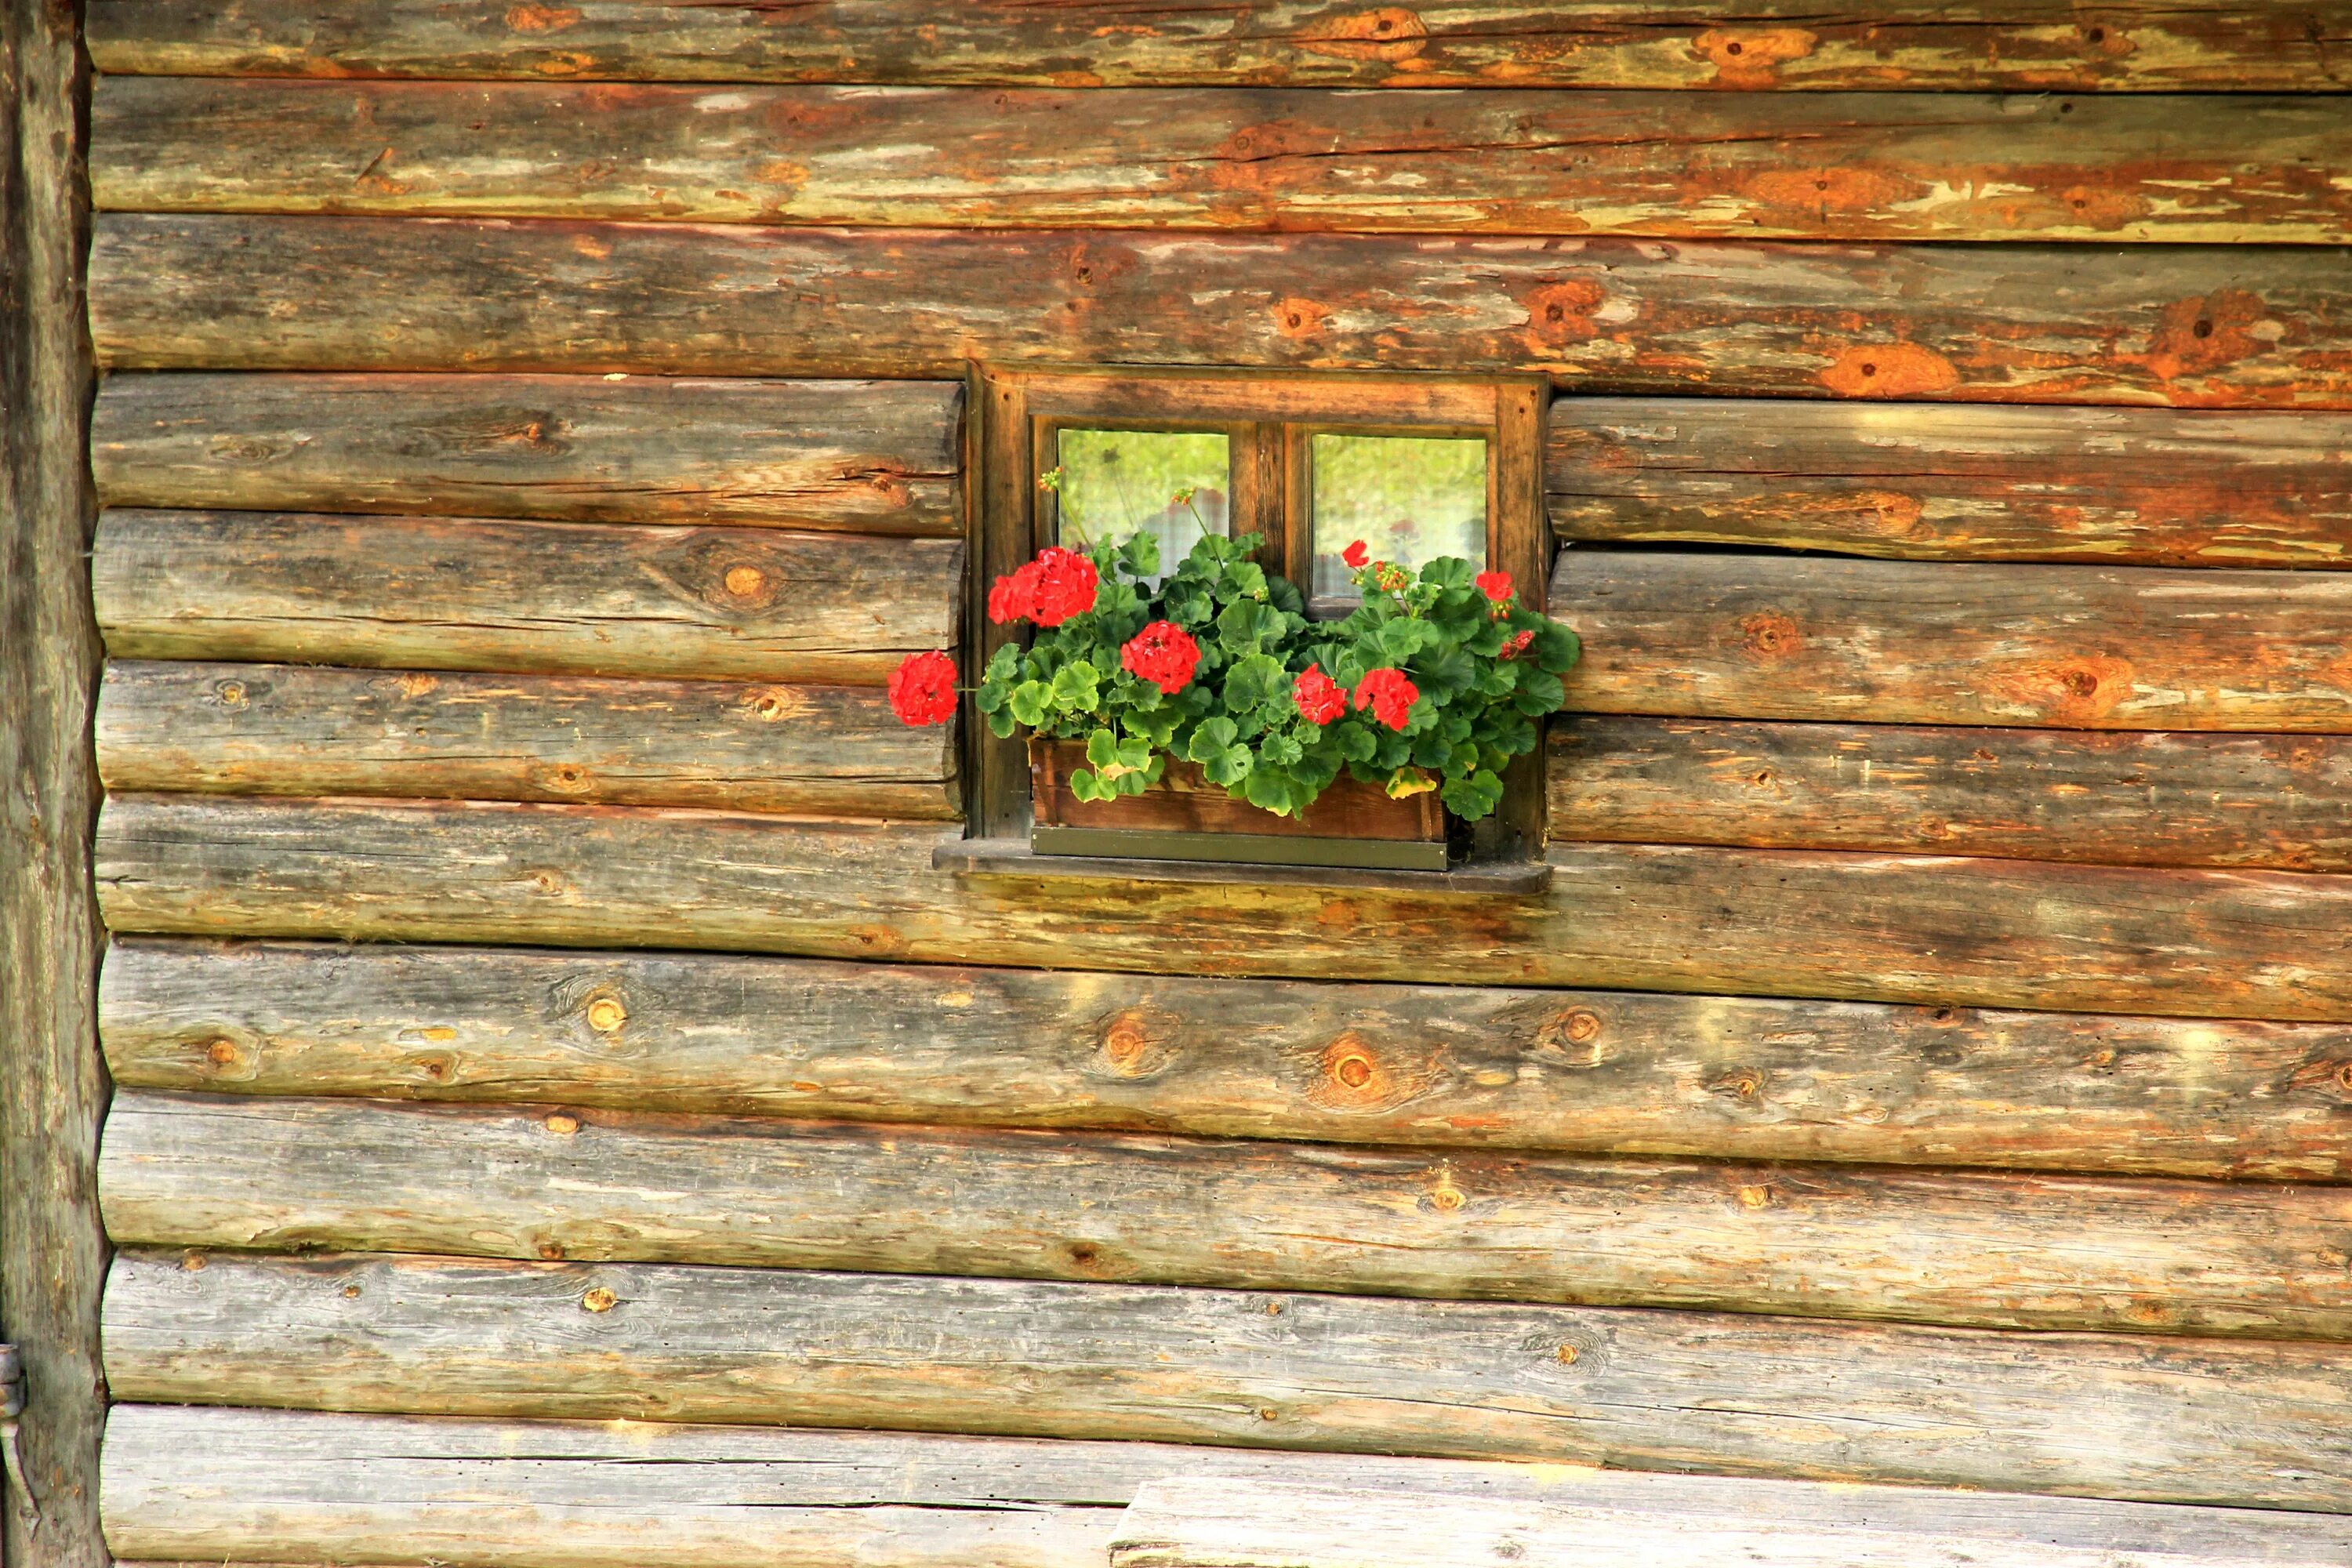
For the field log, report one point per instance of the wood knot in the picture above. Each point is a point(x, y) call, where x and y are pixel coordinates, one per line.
point(568, 778)
point(605, 1015)
point(744, 580)
point(563, 1126)
point(774, 704)
point(599, 1300)
point(1350, 1076)
point(2343, 1077)
point(193, 1261)
point(1566, 1355)
point(1746, 1083)
point(351, 1293)
point(1297, 318)
point(1574, 1037)
point(231, 693)
point(550, 1252)
point(1135, 1042)
point(1445, 1194)
point(1755, 1197)
point(1768, 634)
point(222, 1052)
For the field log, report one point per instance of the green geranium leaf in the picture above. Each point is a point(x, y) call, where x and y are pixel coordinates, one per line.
point(1448, 572)
point(1028, 702)
point(1281, 750)
point(1075, 688)
point(1086, 785)
point(1244, 627)
point(1213, 738)
point(1472, 797)
point(1254, 682)
point(1539, 692)
point(1228, 767)
point(1140, 554)
point(1102, 748)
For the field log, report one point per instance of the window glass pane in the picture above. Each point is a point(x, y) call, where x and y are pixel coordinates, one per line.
point(1410, 499)
point(1119, 482)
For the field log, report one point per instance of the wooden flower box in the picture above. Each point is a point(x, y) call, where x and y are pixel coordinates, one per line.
point(1185, 818)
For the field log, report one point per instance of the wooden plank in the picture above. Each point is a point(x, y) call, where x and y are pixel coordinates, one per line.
point(744, 604)
point(2145, 799)
point(861, 457)
point(1996, 1251)
point(1897, 642)
point(577, 1495)
point(2189, 325)
point(1192, 1521)
point(1866, 166)
point(2121, 486)
point(1601, 1072)
point(2147, 1416)
point(52, 1085)
point(272, 729)
point(1943, 931)
point(2032, 45)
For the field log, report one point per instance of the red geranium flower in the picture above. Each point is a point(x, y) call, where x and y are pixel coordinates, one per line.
point(1389, 695)
point(1518, 644)
point(1009, 598)
point(1496, 585)
point(1320, 698)
point(1355, 555)
point(1063, 585)
point(1162, 653)
point(922, 689)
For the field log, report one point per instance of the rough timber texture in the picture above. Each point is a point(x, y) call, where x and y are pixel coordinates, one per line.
point(1451, 1065)
point(52, 1085)
point(2114, 798)
point(744, 604)
point(862, 457)
point(576, 1495)
point(244, 729)
point(1993, 1251)
point(1879, 166)
point(2122, 486)
point(2219, 326)
point(1699, 635)
point(2007, 933)
point(2147, 1417)
point(2032, 46)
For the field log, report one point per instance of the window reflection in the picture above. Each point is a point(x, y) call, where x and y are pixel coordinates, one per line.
point(1116, 483)
point(1410, 499)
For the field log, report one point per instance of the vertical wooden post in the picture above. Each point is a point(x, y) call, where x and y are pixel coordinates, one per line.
point(52, 1084)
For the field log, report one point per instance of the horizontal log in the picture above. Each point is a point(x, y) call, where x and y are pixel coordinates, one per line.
point(1873, 166)
point(2126, 487)
point(2190, 325)
point(1697, 634)
point(1942, 930)
point(862, 457)
point(275, 728)
point(1603, 1072)
point(576, 1495)
point(2117, 798)
point(1991, 1250)
point(421, 594)
point(2147, 1417)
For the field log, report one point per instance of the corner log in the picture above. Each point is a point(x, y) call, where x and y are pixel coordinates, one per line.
point(875, 456)
point(2227, 170)
point(2143, 1417)
point(1947, 931)
point(2002, 46)
point(1697, 634)
point(1601, 1072)
point(2121, 486)
point(2167, 798)
point(293, 730)
point(2020, 323)
point(1998, 1251)
point(743, 604)
point(577, 1495)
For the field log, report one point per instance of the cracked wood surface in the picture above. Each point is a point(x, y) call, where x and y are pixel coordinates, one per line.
point(543, 1494)
point(267, 728)
point(2194, 325)
point(2033, 46)
point(1885, 928)
point(1601, 1072)
point(860, 456)
point(427, 594)
point(2145, 1418)
point(1876, 166)
point(1690, 633)
point(2003, 1250)
point(2106, 797)
point(2119, 486)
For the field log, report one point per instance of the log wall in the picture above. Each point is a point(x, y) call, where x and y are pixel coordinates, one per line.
point(531, 434)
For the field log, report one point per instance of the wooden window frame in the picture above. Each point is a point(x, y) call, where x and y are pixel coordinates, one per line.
point(1270, 419)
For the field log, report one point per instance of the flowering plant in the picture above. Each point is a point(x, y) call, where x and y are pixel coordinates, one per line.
point(1435, 681)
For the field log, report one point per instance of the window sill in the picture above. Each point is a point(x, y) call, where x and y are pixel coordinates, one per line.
point(1014, 857)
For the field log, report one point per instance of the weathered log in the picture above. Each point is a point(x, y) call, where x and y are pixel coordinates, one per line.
point(1691, 634)
point(1871, 166)
point(2030, 46)
point(2119, 486)
point(747, 604)
point(1946, 930)
point(576, 1495)
point(2117, 798)
point(1990, 1250)
point(272, 729)
point(2150, 1417)
point(863, 457)
point(1605, 1072)
point(1192, 1521)
point(2192, 325)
